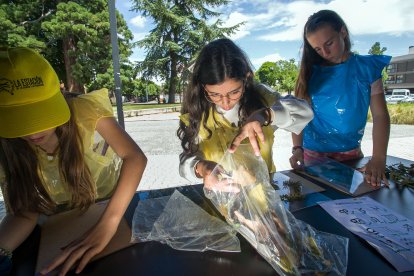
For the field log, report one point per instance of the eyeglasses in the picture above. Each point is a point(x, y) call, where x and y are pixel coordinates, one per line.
point(217, 97)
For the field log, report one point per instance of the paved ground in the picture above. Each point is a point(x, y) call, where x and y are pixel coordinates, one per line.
point(156, 135)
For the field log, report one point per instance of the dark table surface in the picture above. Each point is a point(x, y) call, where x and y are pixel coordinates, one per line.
point(153, 258)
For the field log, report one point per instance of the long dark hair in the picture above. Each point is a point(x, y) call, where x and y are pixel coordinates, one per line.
point(309, 55)
point(219, 60)
point(24, 189)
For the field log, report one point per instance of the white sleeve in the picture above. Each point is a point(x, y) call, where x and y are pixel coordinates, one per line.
point(187, 167)
point(291, 114)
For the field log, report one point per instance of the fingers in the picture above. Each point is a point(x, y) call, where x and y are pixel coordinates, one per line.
point(70, 262)
point(255, 145)
point(296, 160)
point(384, 178)
point(225, 185)
point(252, 131)
point(374, 177)
point(55, 263)
point(295, 163)
point(236, 142)
point(70, 256)
point(86, 258)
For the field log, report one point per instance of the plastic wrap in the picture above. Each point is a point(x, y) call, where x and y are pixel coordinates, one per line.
point(292, 247)
point(182, 224)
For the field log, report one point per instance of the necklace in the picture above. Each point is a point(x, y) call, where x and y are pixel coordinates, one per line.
point(49, 156)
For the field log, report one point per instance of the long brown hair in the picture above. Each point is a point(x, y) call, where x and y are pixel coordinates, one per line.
point(309, 56)
point(24, 189)
point(217, 61)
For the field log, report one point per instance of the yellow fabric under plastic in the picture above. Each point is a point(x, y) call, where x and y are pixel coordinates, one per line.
point(105, 167)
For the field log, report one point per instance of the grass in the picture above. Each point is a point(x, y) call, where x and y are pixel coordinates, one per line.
point(400, 114)
point(127, 107)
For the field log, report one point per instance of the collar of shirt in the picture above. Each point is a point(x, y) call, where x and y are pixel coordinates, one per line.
point(231, 115)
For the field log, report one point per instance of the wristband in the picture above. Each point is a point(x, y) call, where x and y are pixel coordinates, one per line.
point(294, 148)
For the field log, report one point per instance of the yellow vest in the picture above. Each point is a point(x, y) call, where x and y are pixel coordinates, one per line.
point(223, 133)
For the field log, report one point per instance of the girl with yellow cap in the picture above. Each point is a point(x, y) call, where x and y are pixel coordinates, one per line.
point(223, 105)
point(51, 158)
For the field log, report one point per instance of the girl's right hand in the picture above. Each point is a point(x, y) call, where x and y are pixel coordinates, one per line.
point(205, 169)
point(296, 160)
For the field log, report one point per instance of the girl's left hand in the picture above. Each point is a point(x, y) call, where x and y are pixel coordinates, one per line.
point(83, 249)
point(375, 172)
point(251, 129)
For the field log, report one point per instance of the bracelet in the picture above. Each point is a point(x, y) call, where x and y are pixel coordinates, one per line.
point(294, 148)
point(5, 252)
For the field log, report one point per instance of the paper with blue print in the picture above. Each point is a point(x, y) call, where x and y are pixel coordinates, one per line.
point(387, 231)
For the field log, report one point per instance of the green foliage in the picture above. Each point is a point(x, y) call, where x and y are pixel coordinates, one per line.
point(281, 75)
point(73, 35)
point(267, 73)
point(377, 50)
point(180, 31)
point(400, 114)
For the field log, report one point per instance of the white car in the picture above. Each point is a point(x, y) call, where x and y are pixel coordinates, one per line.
point(395, 99)
point(409, 99)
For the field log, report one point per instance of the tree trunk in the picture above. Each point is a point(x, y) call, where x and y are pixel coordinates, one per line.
point(72, 85)
point(173, 79)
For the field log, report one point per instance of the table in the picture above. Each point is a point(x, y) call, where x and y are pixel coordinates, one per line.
point(153, 258)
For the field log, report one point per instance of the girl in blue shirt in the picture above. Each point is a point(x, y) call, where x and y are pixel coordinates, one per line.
point(340, 86)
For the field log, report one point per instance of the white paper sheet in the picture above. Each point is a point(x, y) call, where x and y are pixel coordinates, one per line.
point(387, 231)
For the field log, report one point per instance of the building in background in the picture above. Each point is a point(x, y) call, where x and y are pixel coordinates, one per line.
point(401, 72)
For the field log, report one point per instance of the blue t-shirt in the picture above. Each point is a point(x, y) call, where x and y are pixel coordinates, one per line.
point(340, 97)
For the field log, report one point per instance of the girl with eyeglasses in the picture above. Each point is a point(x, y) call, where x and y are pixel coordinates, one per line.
point(223, 106)
point(340, 86)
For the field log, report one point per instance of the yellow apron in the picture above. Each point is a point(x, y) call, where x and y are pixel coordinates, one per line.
point(223, 133)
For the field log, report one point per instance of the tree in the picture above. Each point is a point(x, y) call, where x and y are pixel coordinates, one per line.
point(286, 75)
point(280, 75)
point(180, 31)
point(266, 73)
point(377, 50)
point(72, 35)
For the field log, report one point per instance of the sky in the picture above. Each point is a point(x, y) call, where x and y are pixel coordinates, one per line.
point(273, 28)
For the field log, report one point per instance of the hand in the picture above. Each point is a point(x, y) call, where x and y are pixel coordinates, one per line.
point(375, 172)
point(211, 182)
point(296, 160)
point(251, 129)
point(83, 249)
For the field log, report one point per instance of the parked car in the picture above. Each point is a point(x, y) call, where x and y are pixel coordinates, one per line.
point(409, 99)
point(394, 99)
point(403, 92)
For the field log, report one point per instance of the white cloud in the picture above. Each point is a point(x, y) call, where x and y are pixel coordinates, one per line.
point(139, 36)
point(257, 62)
point(280, 21)
point(138, 21)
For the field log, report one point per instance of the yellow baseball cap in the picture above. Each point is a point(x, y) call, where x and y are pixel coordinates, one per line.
point(30, 97)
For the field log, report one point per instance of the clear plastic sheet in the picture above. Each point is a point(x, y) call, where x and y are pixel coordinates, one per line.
point(292, 247)
point(182, 224)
